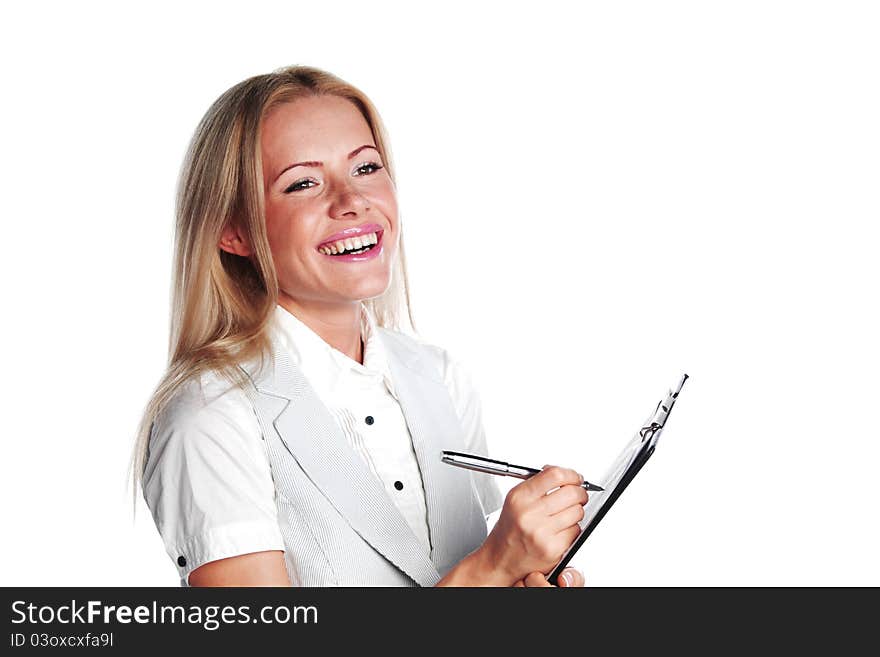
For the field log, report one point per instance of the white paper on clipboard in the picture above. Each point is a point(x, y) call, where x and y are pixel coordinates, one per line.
point(621, 472)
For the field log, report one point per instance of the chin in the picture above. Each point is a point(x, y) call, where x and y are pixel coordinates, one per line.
point(368, 289)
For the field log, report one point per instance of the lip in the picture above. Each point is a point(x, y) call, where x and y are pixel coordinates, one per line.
point(354, 231)
point(375, 252)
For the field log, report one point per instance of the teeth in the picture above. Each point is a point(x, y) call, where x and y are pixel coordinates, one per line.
point(350, 244)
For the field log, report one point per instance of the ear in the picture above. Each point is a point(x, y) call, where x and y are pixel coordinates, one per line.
point(232, 240)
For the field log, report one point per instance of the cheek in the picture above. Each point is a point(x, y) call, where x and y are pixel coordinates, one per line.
point(386, 199)
point(277, 239)
point(286, 233)
point(273, 222)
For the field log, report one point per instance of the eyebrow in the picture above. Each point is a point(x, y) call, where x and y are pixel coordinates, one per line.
point(314, 163)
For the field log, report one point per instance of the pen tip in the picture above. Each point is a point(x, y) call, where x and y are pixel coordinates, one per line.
point(589, 486)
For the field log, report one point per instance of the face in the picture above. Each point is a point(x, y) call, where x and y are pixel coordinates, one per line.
point(326, 190)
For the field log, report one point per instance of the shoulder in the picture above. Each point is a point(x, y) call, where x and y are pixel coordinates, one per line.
point(205, 407)
point(202, 397)
point(205, 441)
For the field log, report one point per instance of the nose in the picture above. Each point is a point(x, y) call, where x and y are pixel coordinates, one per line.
point(347, 201)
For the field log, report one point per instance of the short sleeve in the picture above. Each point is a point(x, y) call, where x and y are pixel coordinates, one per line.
point(468, 406)
point(207, 480)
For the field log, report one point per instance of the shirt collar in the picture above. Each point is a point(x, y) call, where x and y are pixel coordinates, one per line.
point(327, 369)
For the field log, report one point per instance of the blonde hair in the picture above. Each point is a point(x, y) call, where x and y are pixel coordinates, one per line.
point(221, 304)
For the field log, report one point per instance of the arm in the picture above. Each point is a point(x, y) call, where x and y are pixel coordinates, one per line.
point(476, 569)
point(255, 569)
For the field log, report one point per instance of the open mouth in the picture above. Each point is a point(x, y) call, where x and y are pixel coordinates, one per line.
point(352, 245)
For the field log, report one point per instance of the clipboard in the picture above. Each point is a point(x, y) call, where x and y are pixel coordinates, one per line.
point(625, 468)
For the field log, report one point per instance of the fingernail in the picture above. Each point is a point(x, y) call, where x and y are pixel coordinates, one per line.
point(566, 577)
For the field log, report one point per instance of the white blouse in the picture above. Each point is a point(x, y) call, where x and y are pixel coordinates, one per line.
point(208, 483)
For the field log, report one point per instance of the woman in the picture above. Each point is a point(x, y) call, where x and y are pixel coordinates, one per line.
point(295, 437)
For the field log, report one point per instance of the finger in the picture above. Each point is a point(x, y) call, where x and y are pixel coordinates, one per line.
point(563, 498)
point(567, 518)
point(536, 580)
point(552, 476)
point(568, 536)
point(519, 584)
point(571, 577)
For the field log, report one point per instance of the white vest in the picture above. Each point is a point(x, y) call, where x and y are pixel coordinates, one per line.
point(340, 528)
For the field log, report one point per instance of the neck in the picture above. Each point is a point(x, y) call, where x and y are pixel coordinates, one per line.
point(337, 324)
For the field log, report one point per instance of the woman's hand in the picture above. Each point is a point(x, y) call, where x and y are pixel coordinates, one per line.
point(535, 529)
point(568, 578)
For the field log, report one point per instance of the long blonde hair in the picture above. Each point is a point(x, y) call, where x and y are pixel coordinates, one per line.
point(221, 304)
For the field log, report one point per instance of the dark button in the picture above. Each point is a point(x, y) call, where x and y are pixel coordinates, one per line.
point(181, 561)
point(369, 419)
point(397, 484)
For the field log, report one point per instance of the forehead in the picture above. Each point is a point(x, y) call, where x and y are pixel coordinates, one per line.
point(312, 128)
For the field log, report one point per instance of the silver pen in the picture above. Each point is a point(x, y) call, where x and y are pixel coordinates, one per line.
point(491, 466)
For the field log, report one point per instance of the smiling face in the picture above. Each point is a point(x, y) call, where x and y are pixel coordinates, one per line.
point(325, 181)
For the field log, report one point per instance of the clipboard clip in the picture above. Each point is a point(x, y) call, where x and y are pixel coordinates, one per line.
point(664, 407)
point(643, 432)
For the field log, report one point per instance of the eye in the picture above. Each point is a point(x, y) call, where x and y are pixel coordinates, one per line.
point(297, 186)
point(368, 165)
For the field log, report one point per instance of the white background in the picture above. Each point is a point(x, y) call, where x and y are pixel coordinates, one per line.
point(597, 197)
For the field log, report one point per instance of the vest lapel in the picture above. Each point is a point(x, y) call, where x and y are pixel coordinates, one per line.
point(315, 441)
point(455, 519)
